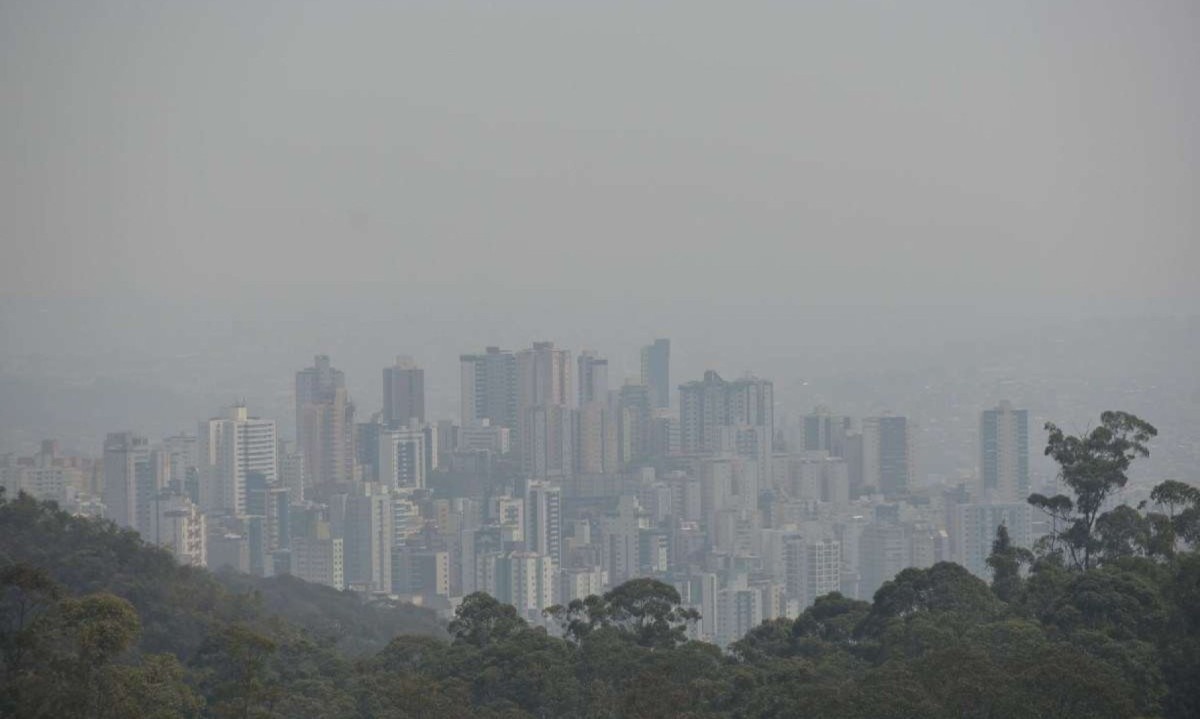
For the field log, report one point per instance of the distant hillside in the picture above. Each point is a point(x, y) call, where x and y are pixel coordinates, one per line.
point(180, 606)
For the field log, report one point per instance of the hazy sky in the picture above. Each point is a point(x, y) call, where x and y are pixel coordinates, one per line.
point(935, 152)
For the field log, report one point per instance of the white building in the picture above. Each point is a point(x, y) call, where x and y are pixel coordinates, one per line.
point(178, 525)
point(230, 448)
point(319, 561)
point(526, 581)
point(402, 460)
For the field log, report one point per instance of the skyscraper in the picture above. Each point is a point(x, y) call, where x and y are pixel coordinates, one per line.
point(714, 416)
point(543, 519)
point(656, 371)
point(325, 423)
point(886, 455)
point(543, 410)
point(489, 388)
point(403, 393)
point(824, 431)
point(124, 452)
point(593, 378)
point(230, 448)
point(1004, 453)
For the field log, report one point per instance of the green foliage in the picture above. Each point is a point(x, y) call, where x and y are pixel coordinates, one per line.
point(1006, 561)
point(1093, 466)
point(87, 634)
point(647, 611)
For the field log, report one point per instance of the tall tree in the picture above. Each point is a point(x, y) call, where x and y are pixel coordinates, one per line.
point(1094, 466)
point(1005, 561)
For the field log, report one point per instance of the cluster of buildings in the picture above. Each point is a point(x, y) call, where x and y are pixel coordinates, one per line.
point(553, 484)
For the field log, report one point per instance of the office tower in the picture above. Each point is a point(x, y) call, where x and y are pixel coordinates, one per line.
point(543, 376)
point(596, 439)
point(403, 393)
point(152, 479)
point(886, 455)
point(543, 519)
point(123, 453)
point(656, 372)
point(489, 388)
point(1004, 453)
point(325, 424)
point(634, 401)
point(230, 447)
point(825, 432)
point(401, 458)
point(543, 410)
point(549, 442)
point(291, 473)
point(366, 448)
point(593, 378)
point(368, 536)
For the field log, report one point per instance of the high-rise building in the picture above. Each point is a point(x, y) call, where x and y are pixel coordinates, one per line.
point(738, 417)
point(706, 406)
point(543, 410)
point(814, 568)
point(825, 432)
point(124, 453)
point(368, 534)
point(886, 455)
point(230, 448)
point(489, 388)
point(656, 371)
point(402, 458)
point(325, 424)
point(319, 559)
point(403, 393)
point(178, 525)
point(544, 520)
point(526, 581)
point(634, 402)
point(593, 378)
point(1004, 453)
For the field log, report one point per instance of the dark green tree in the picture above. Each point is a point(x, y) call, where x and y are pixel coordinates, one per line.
point(647, 610)
point(1006, 561)
point(1094, 466)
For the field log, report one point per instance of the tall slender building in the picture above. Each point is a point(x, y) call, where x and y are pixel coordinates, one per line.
point(489, 388)
point(1004, 453)
point(124, 454)
point(886, 455)
point(403, 393)
point(825, 431)
point(656, 371)
point(544, 398)
point(593, 378)
point(325, 423)
point(231, 448)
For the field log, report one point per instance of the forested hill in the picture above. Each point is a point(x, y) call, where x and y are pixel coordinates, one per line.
point(94, 623)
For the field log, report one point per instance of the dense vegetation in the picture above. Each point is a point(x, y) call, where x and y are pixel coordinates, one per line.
point(1103, 620)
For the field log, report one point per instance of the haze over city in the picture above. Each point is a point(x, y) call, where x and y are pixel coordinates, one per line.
point(927, 229)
